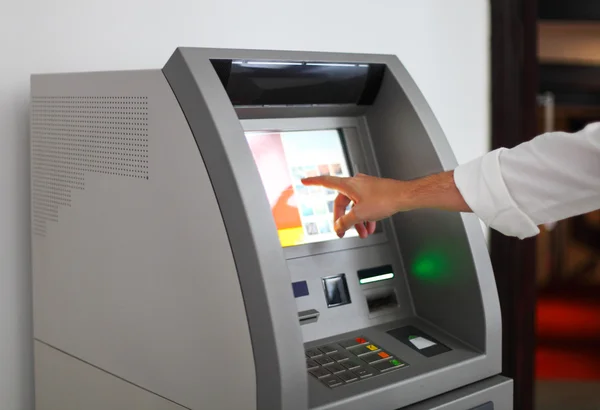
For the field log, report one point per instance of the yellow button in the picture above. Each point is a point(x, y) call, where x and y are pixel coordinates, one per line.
point(372, 347)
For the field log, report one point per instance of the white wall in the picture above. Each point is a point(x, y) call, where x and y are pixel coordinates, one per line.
point(444, 45)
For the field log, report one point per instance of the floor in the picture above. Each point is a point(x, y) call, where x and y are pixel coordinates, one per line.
point(568, 353)
point(567, 395)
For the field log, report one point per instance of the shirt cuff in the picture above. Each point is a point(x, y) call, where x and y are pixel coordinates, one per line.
point(483, 188)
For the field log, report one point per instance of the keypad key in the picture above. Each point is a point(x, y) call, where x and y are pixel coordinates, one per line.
point(336, 368)
point(362, 372)
point(374, 357)
point(311, 364)
point(328, 349)
point(338, 357)
point(313, 353)
point(320, 372)
point(347, 376)
point(360, 350)
point(351, 364)
point(332, 381)
point(324, 360)
point(389, 365)
point(354, 342)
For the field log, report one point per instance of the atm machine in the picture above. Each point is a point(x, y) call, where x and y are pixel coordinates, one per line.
point(180, 263)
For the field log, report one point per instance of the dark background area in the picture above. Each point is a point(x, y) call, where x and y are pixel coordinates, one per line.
point(547, 285)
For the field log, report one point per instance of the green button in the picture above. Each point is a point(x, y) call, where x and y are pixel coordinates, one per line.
point(395, 362)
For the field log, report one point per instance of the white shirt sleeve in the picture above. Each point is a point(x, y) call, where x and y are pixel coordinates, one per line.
point(551, 177)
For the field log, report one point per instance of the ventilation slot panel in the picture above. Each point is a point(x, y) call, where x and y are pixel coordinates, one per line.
point(72, 137)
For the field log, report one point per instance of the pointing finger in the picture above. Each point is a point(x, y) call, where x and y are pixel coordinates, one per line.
point(327, 181)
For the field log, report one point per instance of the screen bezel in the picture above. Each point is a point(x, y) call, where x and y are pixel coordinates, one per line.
point(352, 132)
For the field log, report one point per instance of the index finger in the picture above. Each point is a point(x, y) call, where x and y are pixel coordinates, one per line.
point(327, 181)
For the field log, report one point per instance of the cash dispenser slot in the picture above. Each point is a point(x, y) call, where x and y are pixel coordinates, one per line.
point(378, 288)
point(381, 299)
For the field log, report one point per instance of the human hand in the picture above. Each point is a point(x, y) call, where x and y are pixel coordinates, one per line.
point(374, 199)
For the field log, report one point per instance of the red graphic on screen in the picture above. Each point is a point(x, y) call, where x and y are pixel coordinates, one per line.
point(269, 156)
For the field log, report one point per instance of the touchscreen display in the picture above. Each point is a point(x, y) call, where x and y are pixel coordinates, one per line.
point(302, 214)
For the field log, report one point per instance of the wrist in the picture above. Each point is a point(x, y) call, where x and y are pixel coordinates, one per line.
point(405, 195)
point(436, 191)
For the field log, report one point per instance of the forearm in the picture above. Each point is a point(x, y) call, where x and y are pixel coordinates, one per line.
point(551, 177)
point(556, 175)
point(436, 191)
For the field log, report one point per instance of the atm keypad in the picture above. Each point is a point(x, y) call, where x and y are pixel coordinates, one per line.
point(348, 377)
point(360, 350)
point(320, 372)
point(311, 364)
point(336, 368)
point(313, 353)
point(324, 360)
point(351, 364)
point(338, 357)
point(328, 349)
point(353, 342)
point(332, 381)
point(389, 364)
point(350, 360)
point(362, 372)
point(375, 357)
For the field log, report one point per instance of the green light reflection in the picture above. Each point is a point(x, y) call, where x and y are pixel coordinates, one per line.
point(431, 265)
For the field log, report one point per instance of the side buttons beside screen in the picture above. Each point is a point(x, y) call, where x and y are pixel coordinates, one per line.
point(336, 290)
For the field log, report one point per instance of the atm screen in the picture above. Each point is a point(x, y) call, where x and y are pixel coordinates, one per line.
point(302, 214)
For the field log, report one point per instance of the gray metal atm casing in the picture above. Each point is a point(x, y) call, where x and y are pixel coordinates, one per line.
point(159, 280)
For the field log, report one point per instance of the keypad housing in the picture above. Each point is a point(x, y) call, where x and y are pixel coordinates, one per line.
point(349, 361)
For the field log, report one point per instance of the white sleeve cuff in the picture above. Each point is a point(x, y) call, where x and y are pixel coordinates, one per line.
point(483, 188)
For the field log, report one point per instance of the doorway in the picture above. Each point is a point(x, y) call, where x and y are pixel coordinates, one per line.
point(555, 273)
point(567, 353)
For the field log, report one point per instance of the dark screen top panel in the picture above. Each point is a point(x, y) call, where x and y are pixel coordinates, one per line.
point(299, 83)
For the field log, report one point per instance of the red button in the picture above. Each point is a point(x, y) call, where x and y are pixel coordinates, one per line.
point(360, 340)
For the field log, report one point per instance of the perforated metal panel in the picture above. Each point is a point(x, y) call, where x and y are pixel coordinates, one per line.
point(72, 136)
